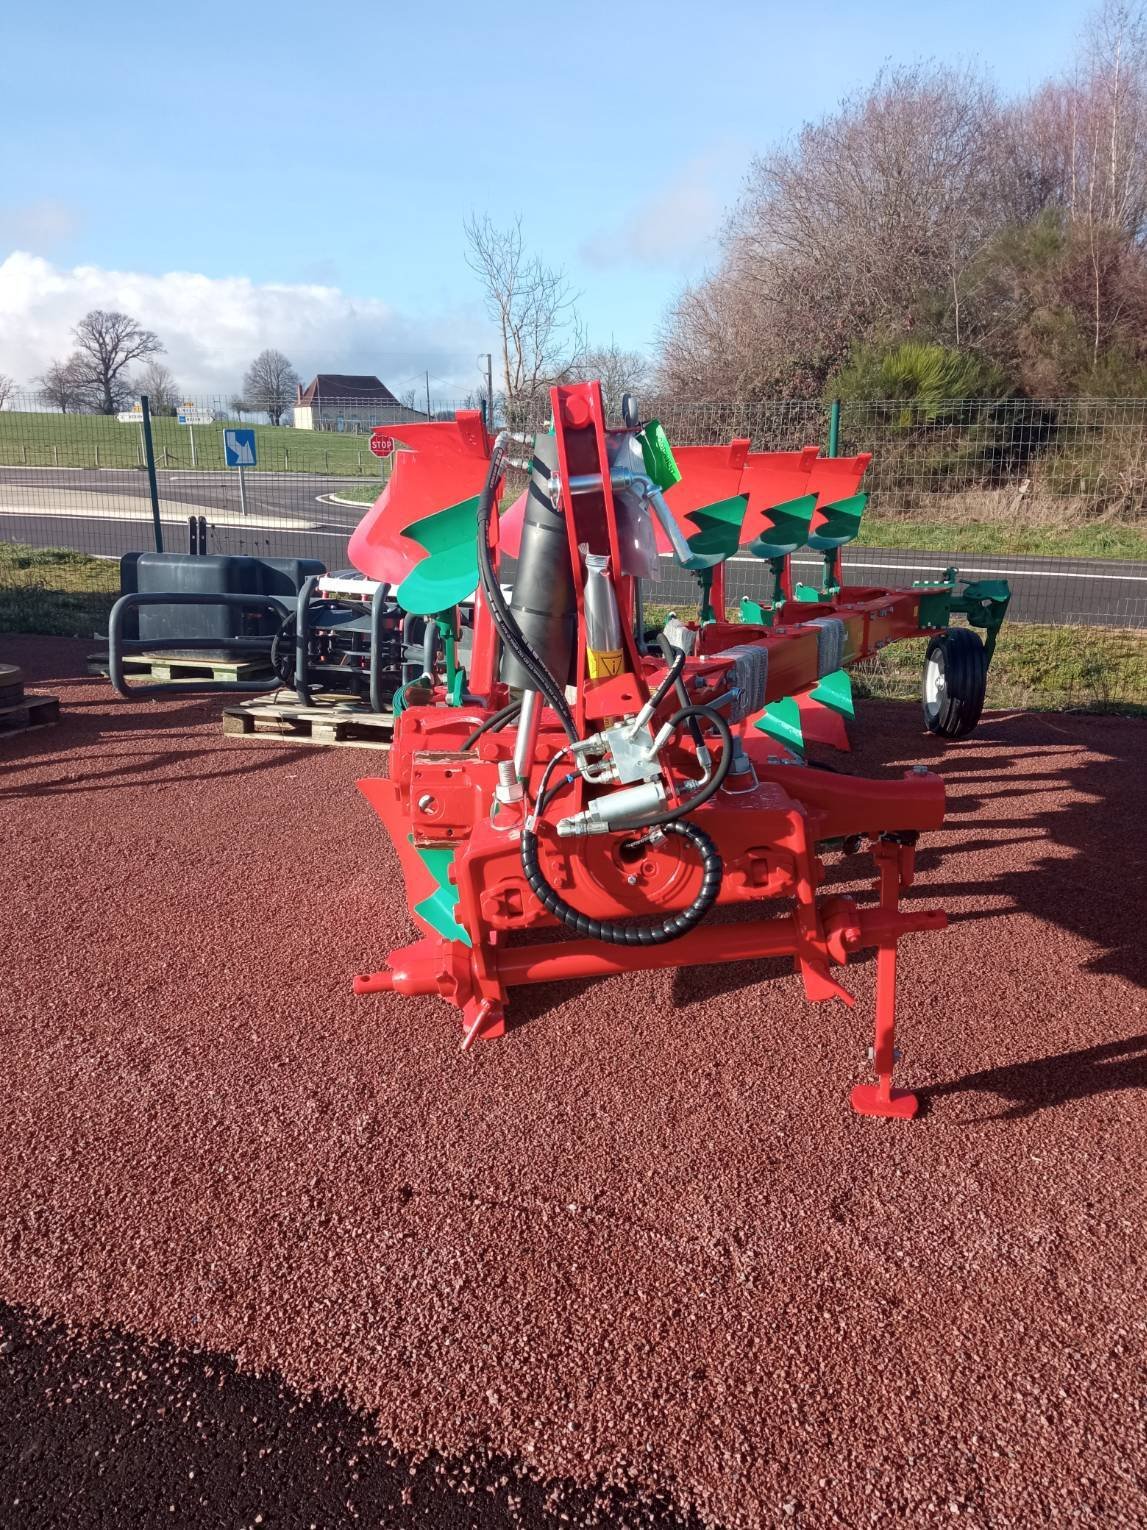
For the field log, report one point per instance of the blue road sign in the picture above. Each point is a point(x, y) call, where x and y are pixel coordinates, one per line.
point(239, 446)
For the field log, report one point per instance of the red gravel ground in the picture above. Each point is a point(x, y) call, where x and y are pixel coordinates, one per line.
point(641, 1241)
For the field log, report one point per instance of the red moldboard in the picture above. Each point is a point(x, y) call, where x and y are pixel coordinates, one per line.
point(642, 1240)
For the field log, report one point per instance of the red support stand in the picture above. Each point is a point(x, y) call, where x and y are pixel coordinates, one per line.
point(881, 1099)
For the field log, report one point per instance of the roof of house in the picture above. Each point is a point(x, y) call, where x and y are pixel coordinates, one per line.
point(332, 387)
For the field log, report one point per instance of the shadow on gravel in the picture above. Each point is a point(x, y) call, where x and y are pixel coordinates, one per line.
point(102, 1429)
point(1051, 1081)
point(1091, 881)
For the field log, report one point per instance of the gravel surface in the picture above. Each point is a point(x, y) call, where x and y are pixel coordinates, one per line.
point(641, 1241)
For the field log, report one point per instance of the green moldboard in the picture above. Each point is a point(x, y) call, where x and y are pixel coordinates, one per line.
point(438, 908)
point(449, 572)
point(782, 720)
point(786, 528)
point(718, 532)
point(841, 524)
point(835, 692)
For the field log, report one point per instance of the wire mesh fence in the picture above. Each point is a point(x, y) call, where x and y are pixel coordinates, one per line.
point(1051, 495)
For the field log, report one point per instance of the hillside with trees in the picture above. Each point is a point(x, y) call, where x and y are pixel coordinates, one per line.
point(929, 223)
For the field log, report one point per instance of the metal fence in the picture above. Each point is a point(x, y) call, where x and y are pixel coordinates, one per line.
point(1051, 495)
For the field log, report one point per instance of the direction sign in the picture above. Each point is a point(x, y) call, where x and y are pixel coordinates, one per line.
point(239, 448)
point(189, 415)
point(380, 443)
point(130, 417)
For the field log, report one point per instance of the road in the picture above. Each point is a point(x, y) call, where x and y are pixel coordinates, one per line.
point(291, 515)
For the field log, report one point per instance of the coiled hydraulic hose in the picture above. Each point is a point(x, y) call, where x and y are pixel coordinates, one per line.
point(672, 821)
point(654, 933)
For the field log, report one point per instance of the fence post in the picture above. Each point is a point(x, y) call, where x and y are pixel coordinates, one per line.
point(286, 459)
point(326, 460)
point(55, 456)
point(153, 487)
point(97, 454)
point(834, 429)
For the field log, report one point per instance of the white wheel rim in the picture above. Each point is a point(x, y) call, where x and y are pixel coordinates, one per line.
point(935, 686)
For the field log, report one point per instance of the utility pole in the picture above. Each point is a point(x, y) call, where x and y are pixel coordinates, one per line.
point(489, 392)
point(428, 395)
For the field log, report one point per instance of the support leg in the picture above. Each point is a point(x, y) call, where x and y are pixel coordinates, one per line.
point(881, 1099)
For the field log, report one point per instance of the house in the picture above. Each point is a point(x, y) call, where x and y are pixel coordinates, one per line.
point(332, 401)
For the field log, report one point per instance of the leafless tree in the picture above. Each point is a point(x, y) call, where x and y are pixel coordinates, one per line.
point(106, 345)
point(62, 386)
point(7, 388)
point(270, 384)
point(619, 371)
point(157, 382)
point(534, 308)
point(238, 405)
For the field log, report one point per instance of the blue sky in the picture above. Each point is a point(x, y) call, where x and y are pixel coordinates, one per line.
point(342, 147)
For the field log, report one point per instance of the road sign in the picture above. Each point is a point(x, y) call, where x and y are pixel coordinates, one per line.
point(380, 443)
point(239, 447)
point(131, 416)
point(189, 415)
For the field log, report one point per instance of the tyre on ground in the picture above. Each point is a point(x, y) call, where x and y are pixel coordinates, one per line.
point(955, 681)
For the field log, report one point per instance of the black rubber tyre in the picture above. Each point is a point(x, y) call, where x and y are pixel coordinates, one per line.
point(954, 683)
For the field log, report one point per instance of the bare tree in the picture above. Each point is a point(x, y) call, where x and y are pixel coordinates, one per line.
point(619, 371)
point(238, 405)
point(157, 382)
point(7, 388)
point(62, 386)
point(270, 384)
point(534, 308)
point(106, 345)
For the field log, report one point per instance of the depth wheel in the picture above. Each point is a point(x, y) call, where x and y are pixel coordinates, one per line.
point(955, 681)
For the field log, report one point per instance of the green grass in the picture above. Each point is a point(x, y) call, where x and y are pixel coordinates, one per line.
point(1094, 669)
point(95, 440)
point(1095, 540)
point(54, 590)
point(362, 494)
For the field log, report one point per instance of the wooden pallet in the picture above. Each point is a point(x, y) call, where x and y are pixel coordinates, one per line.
point(284, 722)
point(174, 667)
point(27, 714)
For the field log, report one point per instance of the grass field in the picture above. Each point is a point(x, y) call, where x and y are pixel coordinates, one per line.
point(1017, 538)
point(55, 591)
point(95, 440)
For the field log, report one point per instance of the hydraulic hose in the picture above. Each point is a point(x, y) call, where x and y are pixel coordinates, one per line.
point(492, 724)
point(507, 628)
point(715, 781)
point(654, 933)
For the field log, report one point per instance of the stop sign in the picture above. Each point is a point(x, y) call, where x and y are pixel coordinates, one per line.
point(380, 443)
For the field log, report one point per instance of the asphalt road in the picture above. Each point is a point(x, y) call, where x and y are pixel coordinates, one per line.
point(290, 515)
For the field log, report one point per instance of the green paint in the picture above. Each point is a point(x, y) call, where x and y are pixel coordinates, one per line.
point(835, 692)
point(718, 533)
point(841, 523)
point(438, 908)
point(752, 611)
point(806, 592)
point(782, 720)
point(833, 429)
point(658, 456)
point(449, 572)
point(786, 529)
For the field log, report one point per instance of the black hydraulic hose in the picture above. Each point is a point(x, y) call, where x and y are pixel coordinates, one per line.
point(508, 629)
point(669, 653)
point(654, 933)
point(715, 781)
point(492, 724)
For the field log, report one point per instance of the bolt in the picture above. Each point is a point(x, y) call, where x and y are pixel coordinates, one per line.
point(425, 802)
point(632, 881)
point(919, 770)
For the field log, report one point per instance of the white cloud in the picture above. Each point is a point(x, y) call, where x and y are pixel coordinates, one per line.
point(673, 225)
point(213, 326)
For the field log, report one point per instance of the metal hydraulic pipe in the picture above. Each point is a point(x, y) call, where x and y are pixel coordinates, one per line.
point(526, 742)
